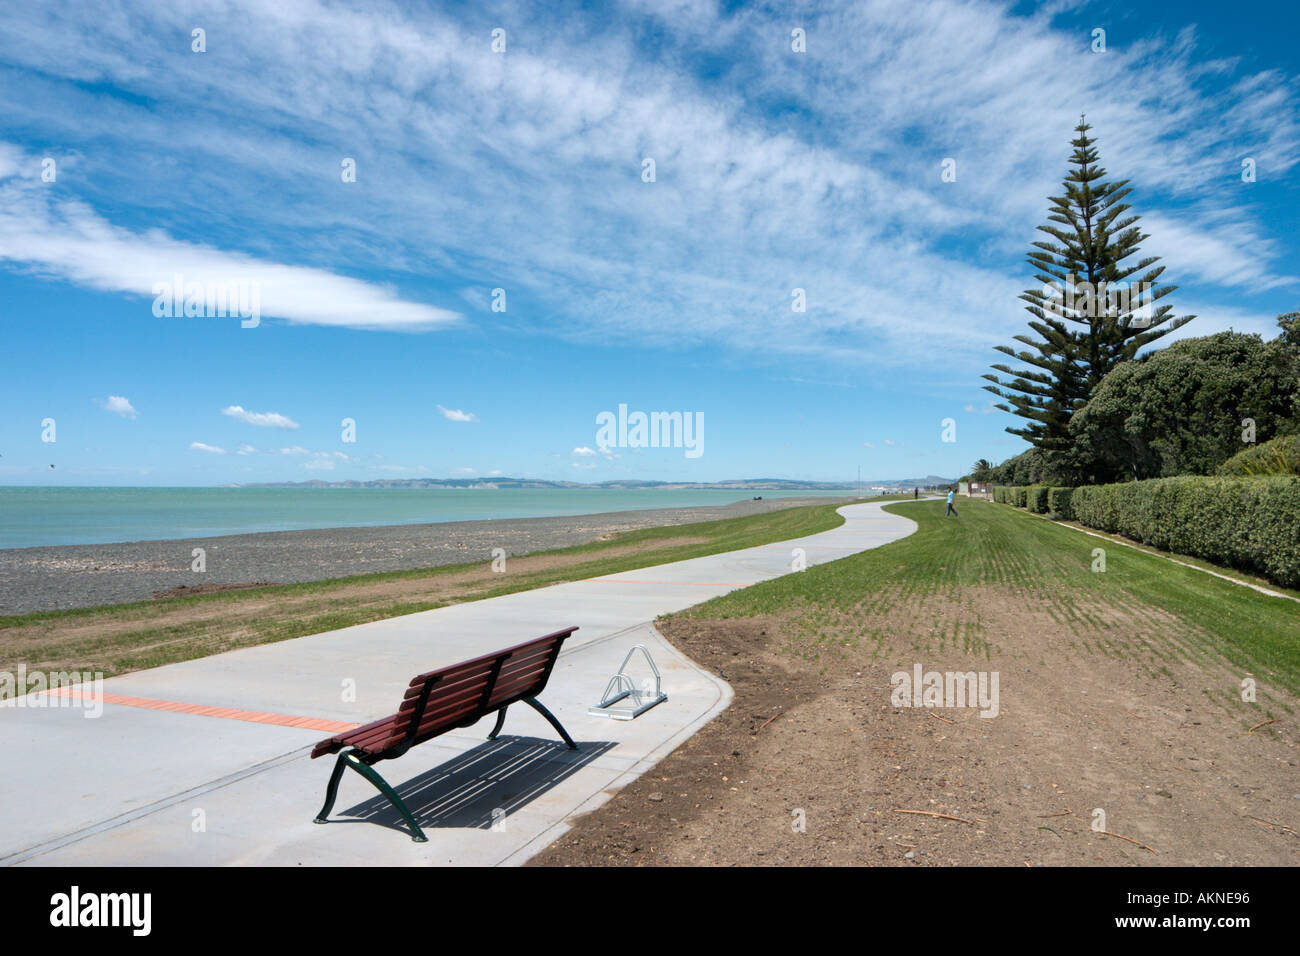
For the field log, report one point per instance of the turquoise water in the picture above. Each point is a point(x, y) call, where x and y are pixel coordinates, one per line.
point(36, 517)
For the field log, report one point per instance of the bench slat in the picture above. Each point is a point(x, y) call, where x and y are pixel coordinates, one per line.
point(520, 685)
point(447, 690)
point(488, 658)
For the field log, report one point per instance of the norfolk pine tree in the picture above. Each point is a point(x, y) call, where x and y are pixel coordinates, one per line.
point(1088, 317)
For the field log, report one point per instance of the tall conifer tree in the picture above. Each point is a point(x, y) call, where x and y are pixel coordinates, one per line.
point(1094, 310)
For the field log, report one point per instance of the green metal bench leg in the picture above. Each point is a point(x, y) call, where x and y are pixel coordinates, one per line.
point(370, 773)
point(332, 791)
point(501, 719)
point(532, 702)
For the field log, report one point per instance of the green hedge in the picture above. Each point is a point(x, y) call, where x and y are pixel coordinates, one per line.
point(1036, 499)
point(1020, 496)
point(1058, 502)
point(1000, 494)
point(1247, 523)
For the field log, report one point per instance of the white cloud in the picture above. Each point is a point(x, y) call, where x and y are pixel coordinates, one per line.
point(211, 449)
point(261, 419)
point(324, 460)
point(67, 239)
point(118, 405)
point(245, 449)
point(543, 145)
point(583, 451)
point(456, 415)
point(867, 444)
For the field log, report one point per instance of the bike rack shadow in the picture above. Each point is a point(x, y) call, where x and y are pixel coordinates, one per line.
point(481, 786)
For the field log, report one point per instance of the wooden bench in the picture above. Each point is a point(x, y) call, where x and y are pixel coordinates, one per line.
point(444, 700)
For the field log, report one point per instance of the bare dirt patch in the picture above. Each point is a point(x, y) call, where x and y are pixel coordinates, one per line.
point(189, 590)
point(1097, 711)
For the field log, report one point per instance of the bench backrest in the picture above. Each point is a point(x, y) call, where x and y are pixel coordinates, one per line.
point(464, 693)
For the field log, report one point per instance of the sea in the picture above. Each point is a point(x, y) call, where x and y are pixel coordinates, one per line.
point(40, 517)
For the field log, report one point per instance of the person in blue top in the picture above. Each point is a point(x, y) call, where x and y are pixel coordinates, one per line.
point(951, 510)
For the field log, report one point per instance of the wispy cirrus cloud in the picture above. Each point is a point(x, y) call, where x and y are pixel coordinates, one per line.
point(66, 239)
point(819, 170)
point(210, 449)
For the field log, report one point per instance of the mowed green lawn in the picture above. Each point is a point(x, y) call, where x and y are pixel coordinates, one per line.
point(1009, 555)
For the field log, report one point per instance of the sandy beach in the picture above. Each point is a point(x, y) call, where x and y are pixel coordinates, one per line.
point(71, 576)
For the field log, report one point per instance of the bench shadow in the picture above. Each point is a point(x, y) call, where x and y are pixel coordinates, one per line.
point(482, 785)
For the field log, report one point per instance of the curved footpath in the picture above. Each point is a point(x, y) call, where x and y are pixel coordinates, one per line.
point(151, 782)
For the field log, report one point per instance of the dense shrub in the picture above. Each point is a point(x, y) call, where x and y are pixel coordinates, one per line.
point(1019, 497)
point(1036, 499)
point(1179, 410)
point(1031, 467)
point(1247, 523)
point(1281, 456)
point(1058, 503)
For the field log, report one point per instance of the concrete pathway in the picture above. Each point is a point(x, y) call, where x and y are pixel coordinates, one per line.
point(205, 762)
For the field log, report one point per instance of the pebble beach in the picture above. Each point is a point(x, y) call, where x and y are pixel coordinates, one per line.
point(73, 576)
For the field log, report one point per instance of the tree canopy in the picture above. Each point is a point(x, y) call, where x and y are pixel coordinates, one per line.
point(1186, 409)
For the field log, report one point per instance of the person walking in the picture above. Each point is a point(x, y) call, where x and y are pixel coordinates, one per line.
point(951, 510)
point(916, 493)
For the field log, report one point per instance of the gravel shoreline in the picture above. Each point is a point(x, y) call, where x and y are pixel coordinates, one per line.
point(90, 575)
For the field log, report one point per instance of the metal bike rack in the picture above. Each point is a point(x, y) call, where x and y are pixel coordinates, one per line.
point(621, 687)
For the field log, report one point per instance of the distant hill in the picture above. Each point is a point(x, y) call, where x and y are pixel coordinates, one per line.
point(739, 484)
point(929, 481)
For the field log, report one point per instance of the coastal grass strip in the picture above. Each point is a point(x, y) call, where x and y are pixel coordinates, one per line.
point(121, 638)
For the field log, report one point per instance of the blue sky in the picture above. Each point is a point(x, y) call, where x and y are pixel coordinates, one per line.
point(522, 170)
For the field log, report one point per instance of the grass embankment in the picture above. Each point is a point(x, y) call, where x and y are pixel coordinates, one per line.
point(1120, 695)
point(1141, 606)
point(128, 637)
